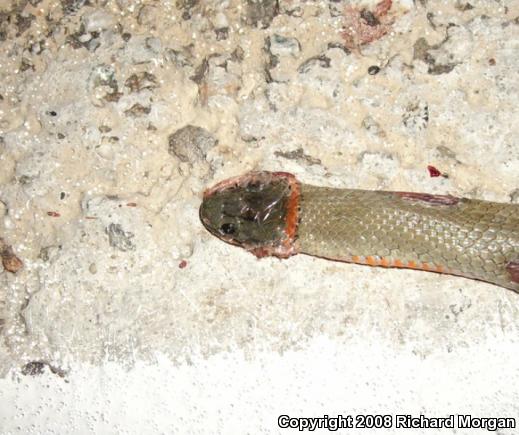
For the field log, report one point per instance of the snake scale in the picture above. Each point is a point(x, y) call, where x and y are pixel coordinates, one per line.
point(272, 213)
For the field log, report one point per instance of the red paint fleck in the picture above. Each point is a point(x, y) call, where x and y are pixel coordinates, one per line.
point(53, 214)
point(383, 8)
point(433, 172)
point(362, 26)
point(131, 204)
point(182, 264)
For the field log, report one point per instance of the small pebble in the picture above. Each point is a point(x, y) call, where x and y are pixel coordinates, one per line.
point(373, 69)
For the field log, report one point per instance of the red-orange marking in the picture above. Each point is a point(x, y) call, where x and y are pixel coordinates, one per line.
point(385, 262)
point(371, 260)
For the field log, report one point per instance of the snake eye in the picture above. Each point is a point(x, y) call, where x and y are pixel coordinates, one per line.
point(228, 228)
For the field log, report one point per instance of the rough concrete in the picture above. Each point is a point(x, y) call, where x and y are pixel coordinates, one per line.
point(115, 115)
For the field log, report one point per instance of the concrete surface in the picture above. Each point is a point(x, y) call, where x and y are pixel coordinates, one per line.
point(128, 317)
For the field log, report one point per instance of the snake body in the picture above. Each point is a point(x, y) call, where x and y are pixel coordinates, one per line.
point(272, 213)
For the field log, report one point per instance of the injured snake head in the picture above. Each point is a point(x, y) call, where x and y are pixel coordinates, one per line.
point(250, 211)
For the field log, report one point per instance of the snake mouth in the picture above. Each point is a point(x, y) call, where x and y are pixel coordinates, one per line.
point(257, 211)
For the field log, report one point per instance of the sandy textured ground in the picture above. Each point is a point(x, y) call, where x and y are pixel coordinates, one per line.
point(115, 115)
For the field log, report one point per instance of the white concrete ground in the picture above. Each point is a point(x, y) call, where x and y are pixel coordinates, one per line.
point(228, 393)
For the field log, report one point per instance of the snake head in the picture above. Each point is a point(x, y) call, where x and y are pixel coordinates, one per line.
point(257, 211)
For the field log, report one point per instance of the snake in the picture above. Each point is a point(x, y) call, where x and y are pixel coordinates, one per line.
point(274, 214)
